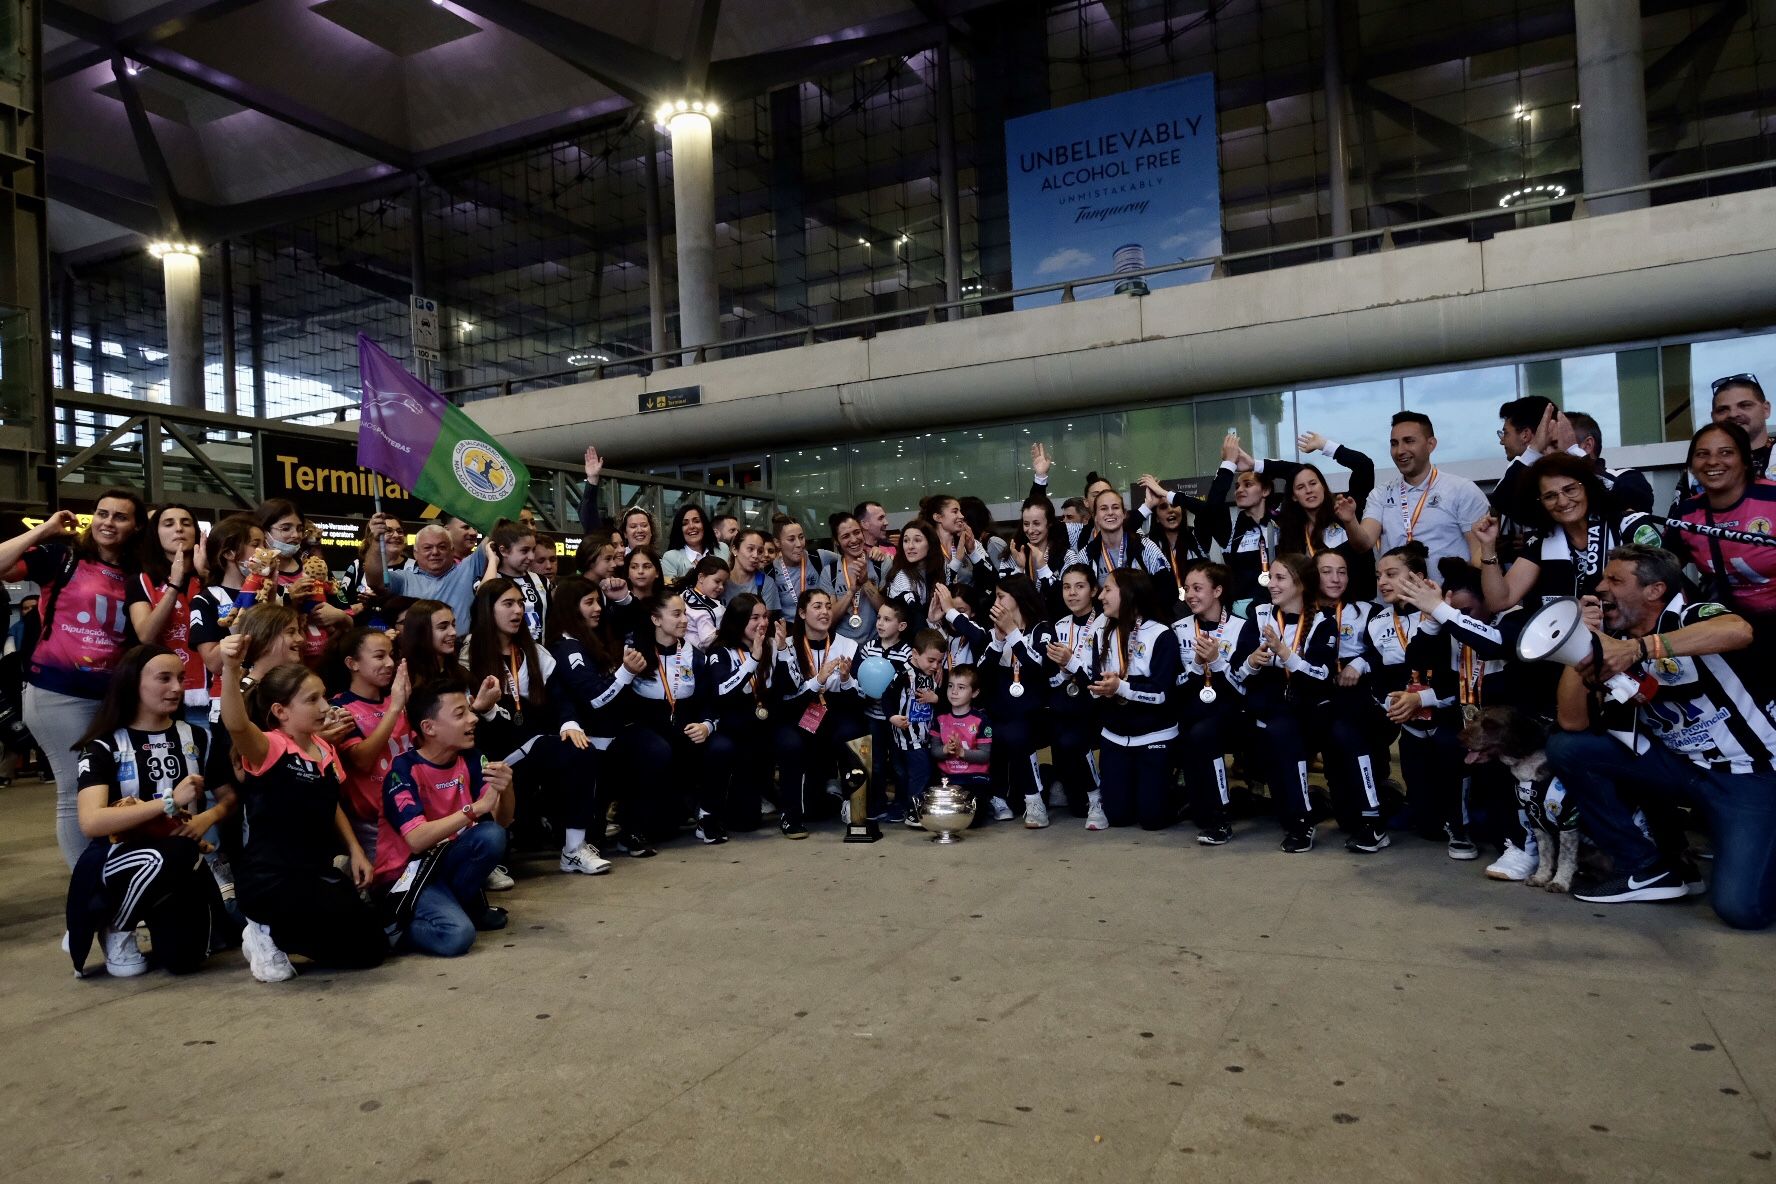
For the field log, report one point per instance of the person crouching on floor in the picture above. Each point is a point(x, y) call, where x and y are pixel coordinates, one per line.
point(443, 827)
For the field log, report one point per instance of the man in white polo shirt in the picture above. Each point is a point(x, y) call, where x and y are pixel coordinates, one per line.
point(1437, 509)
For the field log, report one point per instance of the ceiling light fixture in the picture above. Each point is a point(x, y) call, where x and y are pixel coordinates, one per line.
point(1532, 193)
point(161, 248)
point(672, 108)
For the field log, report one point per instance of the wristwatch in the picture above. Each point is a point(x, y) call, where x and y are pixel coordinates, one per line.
point(169, 805)
point(468, 813)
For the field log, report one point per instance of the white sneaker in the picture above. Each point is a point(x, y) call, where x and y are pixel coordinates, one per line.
point(845, 812)
point(1094, 813)
point(1514, 864)
point(612, 830)
point(1001, 810)
point(123, 958)
point(585, 861)
point(1035, 813)
point(65, 943)
point(268, 963)
point(499, 880)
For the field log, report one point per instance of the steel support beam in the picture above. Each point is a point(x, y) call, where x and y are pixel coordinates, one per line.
point(639, 75)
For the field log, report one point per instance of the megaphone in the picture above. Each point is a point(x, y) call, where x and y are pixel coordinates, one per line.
point(1557, 632)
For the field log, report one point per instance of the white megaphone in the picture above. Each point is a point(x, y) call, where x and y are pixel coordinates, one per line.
point(1556, 632)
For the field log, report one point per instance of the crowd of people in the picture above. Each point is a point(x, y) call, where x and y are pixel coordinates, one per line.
point(250, 748)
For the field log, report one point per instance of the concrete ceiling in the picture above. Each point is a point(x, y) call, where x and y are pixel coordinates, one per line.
point(246, 100)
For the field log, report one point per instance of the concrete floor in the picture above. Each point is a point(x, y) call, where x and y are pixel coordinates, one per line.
point(1023, 1007)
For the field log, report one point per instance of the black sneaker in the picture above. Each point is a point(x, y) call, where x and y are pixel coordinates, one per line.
point(710, 829)
point(912, 815)
point(1691, 875)
point(1654, 883)
point(634, 846)
point(1297, 841)
point(794, 830)
point(492, 918)
point(1368, 840)
point(1460, 845)
point(1214, 836)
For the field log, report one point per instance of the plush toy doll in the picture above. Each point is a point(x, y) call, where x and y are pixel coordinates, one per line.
point(315, 569)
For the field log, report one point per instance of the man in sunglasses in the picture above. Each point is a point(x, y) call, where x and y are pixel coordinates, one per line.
point(1738, 398)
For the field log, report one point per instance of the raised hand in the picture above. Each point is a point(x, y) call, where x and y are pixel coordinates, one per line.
point(1207, 650)
point(1273, 641)
point(487, 695)
point(1543, 439)
point(1039, 459)
point(1344, 508)
point(1310, 441)
point(178, 571)
point(233, 649)
point(1230, 447)
point(594, 463)
point(1419, 592)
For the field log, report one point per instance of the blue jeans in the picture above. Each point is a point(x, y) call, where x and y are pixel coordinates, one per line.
point(1740, 808)
point(442, 916)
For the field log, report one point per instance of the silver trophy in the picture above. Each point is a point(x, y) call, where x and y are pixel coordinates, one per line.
point(947, 811)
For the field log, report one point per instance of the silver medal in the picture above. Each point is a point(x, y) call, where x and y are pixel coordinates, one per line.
point(1016, 691)
point(1181, 594)
point(761, 712)
point(1207, 694)
point(1264, 579)
point(855, 620)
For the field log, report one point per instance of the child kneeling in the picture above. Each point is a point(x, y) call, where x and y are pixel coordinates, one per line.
point(442, 829)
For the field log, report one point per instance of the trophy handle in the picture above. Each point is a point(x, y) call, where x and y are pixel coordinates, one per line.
point(862, 828)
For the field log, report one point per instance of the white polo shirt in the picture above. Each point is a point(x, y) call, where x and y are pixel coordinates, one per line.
point(1438, 511)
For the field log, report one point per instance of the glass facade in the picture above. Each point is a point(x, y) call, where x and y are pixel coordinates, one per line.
point(827, 200)
point(1620, 388)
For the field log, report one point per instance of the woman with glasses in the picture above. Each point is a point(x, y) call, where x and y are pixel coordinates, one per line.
point(1574, 531)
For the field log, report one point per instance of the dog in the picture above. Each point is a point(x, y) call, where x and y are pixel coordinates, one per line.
point(1519, 742)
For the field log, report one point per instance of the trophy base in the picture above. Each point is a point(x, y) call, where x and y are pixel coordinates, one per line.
point(947, 838)
point(861, 828)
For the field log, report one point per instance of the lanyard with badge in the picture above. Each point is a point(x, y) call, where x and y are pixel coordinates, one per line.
point(1411, 520)
point(816, 711)
point(1207, 694)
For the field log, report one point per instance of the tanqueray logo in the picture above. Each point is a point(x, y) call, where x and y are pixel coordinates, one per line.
point(481, 471)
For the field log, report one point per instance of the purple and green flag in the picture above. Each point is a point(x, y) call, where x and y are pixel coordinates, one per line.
point(416, 438)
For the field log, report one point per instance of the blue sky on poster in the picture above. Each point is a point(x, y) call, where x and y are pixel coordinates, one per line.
point(1116, 183)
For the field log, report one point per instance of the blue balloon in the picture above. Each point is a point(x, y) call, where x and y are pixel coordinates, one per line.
point(874, 674)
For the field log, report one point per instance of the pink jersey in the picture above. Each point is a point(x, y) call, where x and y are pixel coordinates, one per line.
point(973, 731)
point(88, 622)
point(1750, 570)
point(363, 789)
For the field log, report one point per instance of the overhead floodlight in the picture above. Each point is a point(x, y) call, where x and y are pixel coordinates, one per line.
point(161, 248)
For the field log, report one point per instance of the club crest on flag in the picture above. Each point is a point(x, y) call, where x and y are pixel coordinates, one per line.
point(480, 471)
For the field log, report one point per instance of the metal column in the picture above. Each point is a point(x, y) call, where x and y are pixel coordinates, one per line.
point(256, 346)
point(949, 185)
point(656, 247)
point(1337, 154)
point(230, 396)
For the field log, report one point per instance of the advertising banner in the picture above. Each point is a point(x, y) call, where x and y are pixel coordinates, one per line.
point(1115, 184)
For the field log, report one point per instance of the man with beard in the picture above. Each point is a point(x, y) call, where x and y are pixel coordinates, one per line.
point(1699, 732)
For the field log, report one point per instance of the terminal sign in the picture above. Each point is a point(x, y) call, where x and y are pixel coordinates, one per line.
point(678, 396)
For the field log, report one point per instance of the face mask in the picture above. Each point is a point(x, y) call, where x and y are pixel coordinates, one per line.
point(287, 550)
